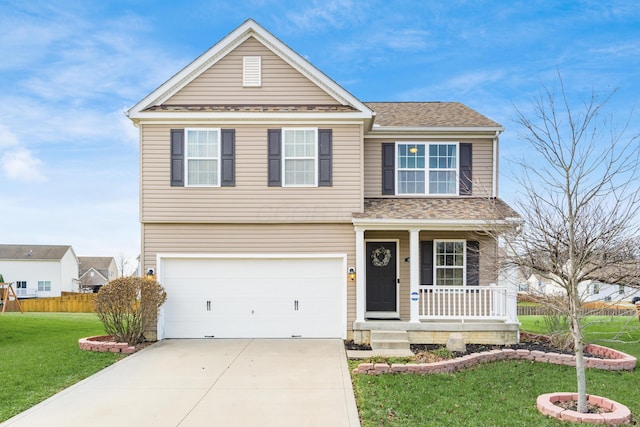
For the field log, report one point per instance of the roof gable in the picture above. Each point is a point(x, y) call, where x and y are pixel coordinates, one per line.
point(172, 88)
point(221, 84)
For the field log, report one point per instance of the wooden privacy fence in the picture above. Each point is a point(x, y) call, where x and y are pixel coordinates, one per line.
point(68, 303)
point(542, 311)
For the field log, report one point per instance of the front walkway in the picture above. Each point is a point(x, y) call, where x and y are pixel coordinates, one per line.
point(210, 382)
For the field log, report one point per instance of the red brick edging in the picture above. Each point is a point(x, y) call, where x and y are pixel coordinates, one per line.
point(103, 343)
point(614, 360)
point(619, 414)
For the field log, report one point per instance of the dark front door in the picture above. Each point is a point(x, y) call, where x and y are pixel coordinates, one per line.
point(381, 277)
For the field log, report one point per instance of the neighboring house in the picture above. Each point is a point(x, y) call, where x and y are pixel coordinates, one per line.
point(96, 271)
point(593, 291)
point(39, 270)
point(276, 204)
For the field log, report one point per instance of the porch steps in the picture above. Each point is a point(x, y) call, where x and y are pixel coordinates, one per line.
point(390, 343)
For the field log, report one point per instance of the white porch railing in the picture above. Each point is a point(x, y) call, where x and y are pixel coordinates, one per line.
point(465, 303)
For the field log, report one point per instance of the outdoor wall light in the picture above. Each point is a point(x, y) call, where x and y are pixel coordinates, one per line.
point(150, 273)
point(407, 259)
point(352, 273)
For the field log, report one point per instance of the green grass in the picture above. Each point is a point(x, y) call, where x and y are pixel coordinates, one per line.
point(39, 356)
point(494, 394)
point(618, 332)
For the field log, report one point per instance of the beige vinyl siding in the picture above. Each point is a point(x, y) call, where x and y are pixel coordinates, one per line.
point(222, 83)
point(252, 239)
point(251, 200)
point(482, 158)
point(488, 264)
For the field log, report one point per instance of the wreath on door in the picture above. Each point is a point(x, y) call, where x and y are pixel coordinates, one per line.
point(380, 257)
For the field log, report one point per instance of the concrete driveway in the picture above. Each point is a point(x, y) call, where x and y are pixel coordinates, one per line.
point(210, 383)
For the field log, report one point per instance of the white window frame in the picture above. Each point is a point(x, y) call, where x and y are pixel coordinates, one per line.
point(426, 170)
point(251, 71)
point(45, 284)
point(464, 261)
point(187, 158)
point(314, 158)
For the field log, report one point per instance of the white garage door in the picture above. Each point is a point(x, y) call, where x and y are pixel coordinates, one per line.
point(248, 297)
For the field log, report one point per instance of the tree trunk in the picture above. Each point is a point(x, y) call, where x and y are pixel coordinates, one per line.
point(576, 332)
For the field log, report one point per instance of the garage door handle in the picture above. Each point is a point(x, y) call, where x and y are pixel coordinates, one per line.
point(295, 305)
point(208, 305)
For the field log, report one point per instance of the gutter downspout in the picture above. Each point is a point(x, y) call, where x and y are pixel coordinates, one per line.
point(495, 164)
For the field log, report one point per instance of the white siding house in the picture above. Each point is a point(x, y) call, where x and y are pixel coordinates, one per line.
point(39, 270)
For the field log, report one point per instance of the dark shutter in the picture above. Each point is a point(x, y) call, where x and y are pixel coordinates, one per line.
point(388, 168)
point(274, 138)
point(324, 158)
point(228, 161)
point(465, 169)
point(473, 263)
point(177, 157)
point(426, 262)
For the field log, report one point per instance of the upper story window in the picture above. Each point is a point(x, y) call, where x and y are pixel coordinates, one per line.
point(427, 168)
point(203, 157)
point(300, 157)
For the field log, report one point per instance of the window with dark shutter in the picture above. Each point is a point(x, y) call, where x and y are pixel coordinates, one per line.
point(426, 262)
point(274, 143)
point(228, 151)
point(465, 187)
point(325, 178)
point(177, 157)
point(388, 168)
point(473, 263)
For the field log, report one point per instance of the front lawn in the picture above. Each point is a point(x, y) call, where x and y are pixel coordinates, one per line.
point(39, 356)
point(494, 394)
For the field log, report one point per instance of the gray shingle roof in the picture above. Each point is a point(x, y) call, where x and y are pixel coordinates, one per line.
point(101, 264)
point(38, 252)
point(428, 114)
point(430, 208)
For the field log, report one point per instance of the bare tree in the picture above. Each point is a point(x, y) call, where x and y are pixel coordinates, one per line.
point(580, 204)
point(122, 264)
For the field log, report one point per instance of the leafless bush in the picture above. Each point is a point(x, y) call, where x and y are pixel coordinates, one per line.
point(125, 304)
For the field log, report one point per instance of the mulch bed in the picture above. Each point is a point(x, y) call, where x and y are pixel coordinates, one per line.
point(572, 405)
point(529, 342)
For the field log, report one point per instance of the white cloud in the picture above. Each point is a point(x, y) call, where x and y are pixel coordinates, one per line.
point(323, 13)
point(7, 138)
point(16, 161)
point(19, 164)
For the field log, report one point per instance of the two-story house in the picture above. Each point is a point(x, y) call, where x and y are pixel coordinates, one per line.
point(39, 270)
point(274, 203)
point(96, 272)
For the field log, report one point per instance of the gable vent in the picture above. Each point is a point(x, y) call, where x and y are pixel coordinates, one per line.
point(251, 71)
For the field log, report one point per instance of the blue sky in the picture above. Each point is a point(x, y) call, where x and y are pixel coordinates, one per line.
point(69, 69)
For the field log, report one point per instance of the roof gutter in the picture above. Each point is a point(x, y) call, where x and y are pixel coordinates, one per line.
point(385, 131)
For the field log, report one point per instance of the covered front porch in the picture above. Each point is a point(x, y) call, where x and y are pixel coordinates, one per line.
point(430, 277)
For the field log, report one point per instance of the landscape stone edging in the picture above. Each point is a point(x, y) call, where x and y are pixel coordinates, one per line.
point(614, 360)
point(103, 343)
point(546, 404)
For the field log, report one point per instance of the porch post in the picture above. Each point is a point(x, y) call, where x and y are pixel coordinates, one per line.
point(360, 275)
point(414, 275)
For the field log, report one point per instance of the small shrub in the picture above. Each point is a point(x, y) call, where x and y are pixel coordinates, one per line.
point(125, 305)
point(556, 326)
point(443, 353)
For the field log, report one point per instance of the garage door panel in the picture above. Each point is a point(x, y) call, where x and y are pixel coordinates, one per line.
point(249, 297)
